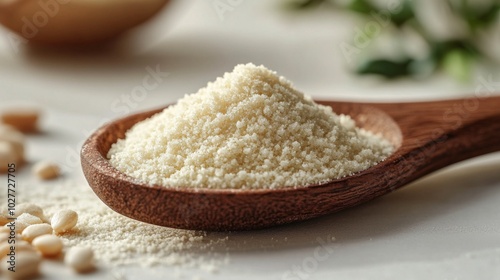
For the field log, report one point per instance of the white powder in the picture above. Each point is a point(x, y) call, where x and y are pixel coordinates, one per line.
point(117, 240)
point(248, 129)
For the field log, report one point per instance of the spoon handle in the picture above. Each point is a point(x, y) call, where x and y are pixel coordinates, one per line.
point(438, 134)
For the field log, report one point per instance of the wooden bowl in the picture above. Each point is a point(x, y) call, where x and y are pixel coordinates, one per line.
point(75, 22)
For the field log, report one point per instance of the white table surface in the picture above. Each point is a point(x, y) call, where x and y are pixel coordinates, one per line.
point(444, 226)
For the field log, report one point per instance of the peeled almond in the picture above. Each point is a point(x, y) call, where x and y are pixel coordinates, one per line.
point(33, 231)
point(64, 221)
point(27, 265)
point(23, 119)
point(81, 259)
point(48, 245)
point(8, 157)
point(15, 138)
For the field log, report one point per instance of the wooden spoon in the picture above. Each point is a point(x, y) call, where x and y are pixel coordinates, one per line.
point(427, 137)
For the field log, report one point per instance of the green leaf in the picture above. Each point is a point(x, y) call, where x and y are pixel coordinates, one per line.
point(389, 69)
point(362, 7)
point(304, 4)
point(458, 64)
point(488, 16)
point(478, 18)
point(404, 14)
point(440, 49)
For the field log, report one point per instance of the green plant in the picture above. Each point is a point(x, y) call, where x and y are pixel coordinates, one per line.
point(455, 53)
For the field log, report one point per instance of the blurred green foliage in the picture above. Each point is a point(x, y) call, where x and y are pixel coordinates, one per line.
point(456, 55)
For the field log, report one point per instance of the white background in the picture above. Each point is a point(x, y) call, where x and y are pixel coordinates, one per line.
point(445, 226)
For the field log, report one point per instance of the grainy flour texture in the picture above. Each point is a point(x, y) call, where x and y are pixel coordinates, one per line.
point(249, 129)
point(117, 240)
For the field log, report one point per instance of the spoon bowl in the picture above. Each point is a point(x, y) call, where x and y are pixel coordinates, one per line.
point(426, 135)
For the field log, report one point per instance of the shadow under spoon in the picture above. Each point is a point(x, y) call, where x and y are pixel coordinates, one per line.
point(427, 136)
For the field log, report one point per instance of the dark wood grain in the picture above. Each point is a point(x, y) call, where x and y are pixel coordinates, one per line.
point(427, 137)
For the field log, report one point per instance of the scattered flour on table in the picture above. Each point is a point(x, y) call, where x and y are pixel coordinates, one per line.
point(117, 240)
point(249, 129)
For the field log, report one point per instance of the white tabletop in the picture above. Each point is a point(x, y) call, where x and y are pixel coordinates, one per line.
point(444, 226)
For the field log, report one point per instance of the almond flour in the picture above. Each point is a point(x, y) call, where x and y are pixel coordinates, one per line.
point(249, 129)
point(115, 239)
